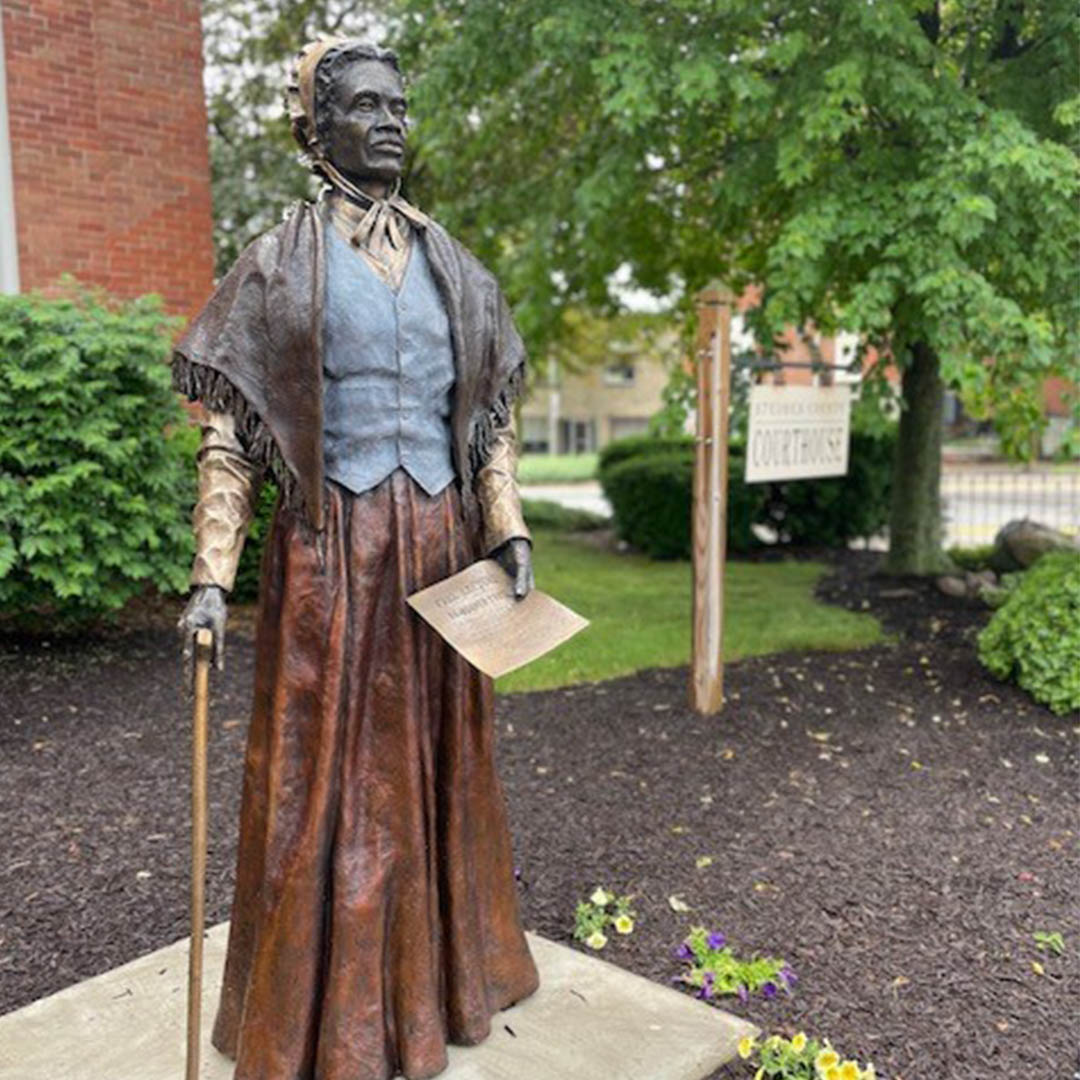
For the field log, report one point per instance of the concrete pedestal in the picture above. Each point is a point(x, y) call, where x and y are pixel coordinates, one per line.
point(589, 1020)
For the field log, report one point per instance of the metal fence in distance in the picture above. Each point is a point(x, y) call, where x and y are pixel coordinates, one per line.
point(978, 499)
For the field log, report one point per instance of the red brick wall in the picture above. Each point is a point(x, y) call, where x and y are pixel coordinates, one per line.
point(1057, 393)
point(108, 143)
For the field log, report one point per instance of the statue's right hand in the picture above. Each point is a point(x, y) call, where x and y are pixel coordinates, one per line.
point(206, 608)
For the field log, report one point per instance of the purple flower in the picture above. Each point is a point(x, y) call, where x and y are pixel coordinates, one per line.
point(684, 952)
point(788, 977)
point(709, 978)
point(743, 995)
point(706, 991)
point(769, 990)
point(716, 940)
point(517, 873)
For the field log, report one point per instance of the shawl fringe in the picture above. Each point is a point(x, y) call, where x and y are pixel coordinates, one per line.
point(484, 428)
point(199, 382)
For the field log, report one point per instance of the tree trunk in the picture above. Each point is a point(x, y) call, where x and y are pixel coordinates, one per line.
point(915, 532)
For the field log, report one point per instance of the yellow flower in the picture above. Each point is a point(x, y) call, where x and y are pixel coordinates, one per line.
point(746, 1046)
point(623, 924)
point(798, 1044)
point(596, 940)
point(849, 1071)
point(600, 897)
point(832, 1073)
point(869, 1073)
point(826, 1059)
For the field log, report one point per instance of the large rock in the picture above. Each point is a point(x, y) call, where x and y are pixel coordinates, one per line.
point(1021, 543)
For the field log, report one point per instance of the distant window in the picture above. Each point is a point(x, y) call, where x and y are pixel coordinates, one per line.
point(624, 426)
point(619, 374)
point(577, 436)
point(534, 435)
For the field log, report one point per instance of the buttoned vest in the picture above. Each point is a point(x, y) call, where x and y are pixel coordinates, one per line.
point(388, 372)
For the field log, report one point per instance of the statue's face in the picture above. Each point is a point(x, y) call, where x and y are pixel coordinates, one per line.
point(367, 122)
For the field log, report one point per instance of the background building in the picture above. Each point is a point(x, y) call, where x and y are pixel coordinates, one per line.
point(104, 170)
point(578, 412)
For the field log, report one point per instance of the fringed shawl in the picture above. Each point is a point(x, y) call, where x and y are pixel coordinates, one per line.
point(255, 351)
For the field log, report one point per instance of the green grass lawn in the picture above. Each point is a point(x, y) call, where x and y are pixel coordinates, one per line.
point(556, 468)
point(640, 613)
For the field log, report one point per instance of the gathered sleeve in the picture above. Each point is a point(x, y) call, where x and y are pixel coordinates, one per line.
point(497, 492)
point(229, 485)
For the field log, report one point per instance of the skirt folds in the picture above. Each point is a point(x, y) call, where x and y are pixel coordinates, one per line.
point(375, 917)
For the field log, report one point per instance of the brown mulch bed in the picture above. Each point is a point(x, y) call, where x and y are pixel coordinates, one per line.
point(891, 821)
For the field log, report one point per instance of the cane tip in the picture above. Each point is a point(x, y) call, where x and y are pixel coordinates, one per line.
point(204, 638)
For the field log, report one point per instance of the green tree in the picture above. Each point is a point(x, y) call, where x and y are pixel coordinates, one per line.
point(248, 49)
point(904, 170)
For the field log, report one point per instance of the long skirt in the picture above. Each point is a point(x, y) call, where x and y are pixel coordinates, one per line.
point(375, 916)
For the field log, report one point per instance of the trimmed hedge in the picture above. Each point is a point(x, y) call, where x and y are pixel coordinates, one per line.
point(652, 502)
point(1034, 637)
point(652, 495)
point(830, 512)
point(95, 494)
point(639, 445)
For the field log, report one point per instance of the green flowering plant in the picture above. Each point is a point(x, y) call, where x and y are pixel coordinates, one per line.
point(714, 970)
point(800, 1058)
point(603, 909)
point(1050, 941)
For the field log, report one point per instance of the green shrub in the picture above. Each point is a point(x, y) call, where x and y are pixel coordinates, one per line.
point(642, 445)
point(746, 504)
point(648, 513)
point(544, 514)
point(831, 511)
point(95, 494)
point(825, 513)
point(1034, 637)
point(651, 496)
point(972, 558)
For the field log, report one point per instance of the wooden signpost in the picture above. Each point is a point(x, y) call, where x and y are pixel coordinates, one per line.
point(794, 432)
point(710, 499)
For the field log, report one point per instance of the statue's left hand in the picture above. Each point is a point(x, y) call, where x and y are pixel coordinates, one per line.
point(515, 557)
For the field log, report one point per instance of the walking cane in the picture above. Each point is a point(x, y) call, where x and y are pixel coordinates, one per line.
point(204, 640)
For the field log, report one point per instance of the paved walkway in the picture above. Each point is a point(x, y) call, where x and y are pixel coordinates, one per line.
point(586, 496)
point(589, 1020)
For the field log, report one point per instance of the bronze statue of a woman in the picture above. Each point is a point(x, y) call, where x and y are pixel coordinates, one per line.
point(363, 358)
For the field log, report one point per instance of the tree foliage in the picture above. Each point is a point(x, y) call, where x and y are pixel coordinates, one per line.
point(904, 170)
point(95, 499)
point(248, 50)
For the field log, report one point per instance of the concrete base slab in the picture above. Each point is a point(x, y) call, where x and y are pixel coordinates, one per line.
point(589, 1019)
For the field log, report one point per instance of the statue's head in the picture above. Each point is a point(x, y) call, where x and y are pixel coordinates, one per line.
point(347, 106)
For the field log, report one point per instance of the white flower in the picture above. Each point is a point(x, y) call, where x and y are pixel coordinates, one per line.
point(600, 897)
point(596, 940)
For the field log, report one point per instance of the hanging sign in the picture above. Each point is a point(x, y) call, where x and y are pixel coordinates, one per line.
point(797, 432)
